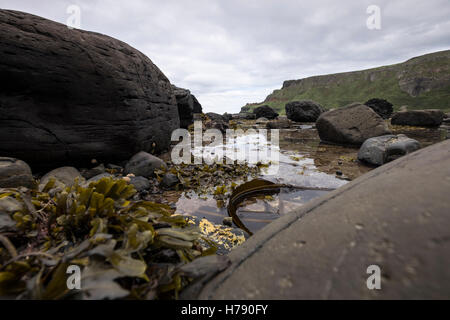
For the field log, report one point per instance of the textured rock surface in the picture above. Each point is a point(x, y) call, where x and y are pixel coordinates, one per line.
point(265, 112)
point(143, 164)
point(303, 111)
point(68, 96)
point(382, 107)
point(352, 124)
point(427, 118)
point(15, 173)
point(395, 216)
point(187, 105)
point(379, 150)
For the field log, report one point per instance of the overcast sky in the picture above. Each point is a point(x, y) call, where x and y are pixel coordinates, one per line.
point(230, 52)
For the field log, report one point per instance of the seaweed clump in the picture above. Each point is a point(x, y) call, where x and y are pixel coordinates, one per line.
point(124, 248)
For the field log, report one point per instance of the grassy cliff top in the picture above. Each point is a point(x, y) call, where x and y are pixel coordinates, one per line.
point(420, 83)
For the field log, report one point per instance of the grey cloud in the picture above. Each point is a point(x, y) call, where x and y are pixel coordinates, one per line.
point(230, 52)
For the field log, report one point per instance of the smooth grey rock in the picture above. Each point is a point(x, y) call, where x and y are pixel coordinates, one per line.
point(379, 150)
point(266, 112)
point(140, 183)
point(15, 173)
point(425, 118)
point(70, 95)
point(169, 181)
point(352, 125)
point(64, 177)
point(303, 111)
point(382, 107)
point(144, 164)
point(395, 216)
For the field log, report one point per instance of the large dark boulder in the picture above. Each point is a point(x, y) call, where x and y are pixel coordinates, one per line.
point(265, 112)
point(352, 124)
point(303, 111)
point(380, 106)
point(425, 118)
point(68, 96)
point(187, 106)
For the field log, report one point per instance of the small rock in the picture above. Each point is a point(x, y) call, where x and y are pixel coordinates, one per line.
point(339, 173)
point(64, 176)
point(266, 112)
point(140, 183)
point(89, 173)
point(169, 180)
point(228, 221)
point(144, 164)
point(379, 150)
point(303, 111)
point(114, 167)
point(98, 177)
point(15, 173)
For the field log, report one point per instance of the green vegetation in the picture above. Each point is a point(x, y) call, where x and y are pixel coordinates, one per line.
point(419, 83)
point(123, 246)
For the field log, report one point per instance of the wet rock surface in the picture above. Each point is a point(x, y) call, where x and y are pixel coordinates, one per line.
point(427, 118)
point(352, 124)
point(379, 150)
point(48, 117)
point(303, 111)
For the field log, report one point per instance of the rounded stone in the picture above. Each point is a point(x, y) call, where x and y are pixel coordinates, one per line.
point(15, 173)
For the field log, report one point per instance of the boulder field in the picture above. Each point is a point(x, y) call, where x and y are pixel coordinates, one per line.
point(68, 96)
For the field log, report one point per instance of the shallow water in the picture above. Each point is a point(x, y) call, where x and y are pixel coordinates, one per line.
point(293, 167)
point(301, 160)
